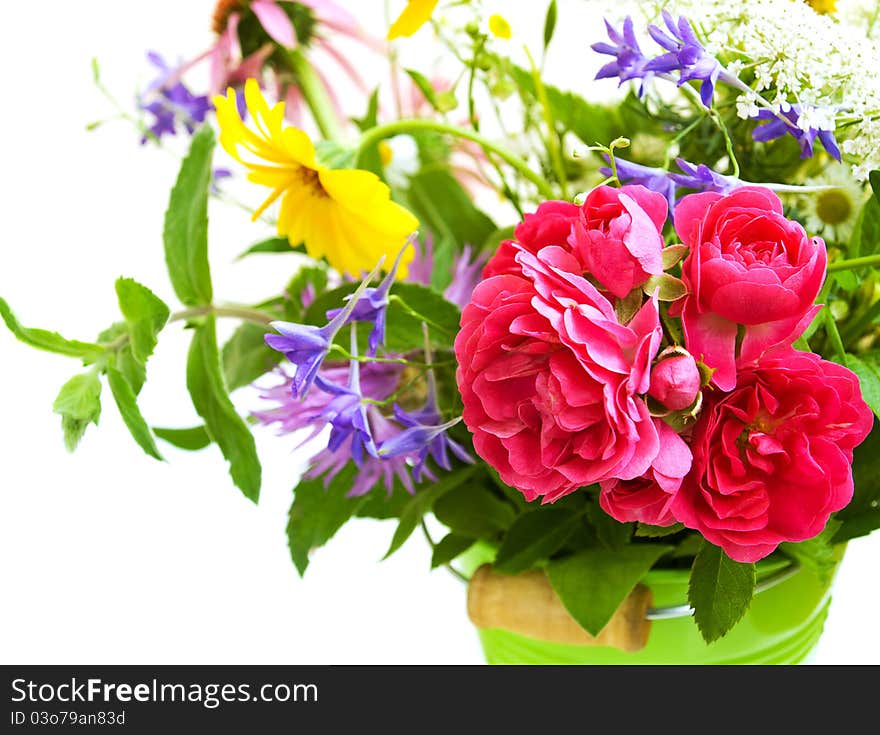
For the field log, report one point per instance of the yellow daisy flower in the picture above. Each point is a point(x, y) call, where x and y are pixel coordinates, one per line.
point(343, 215)
point(414, 16)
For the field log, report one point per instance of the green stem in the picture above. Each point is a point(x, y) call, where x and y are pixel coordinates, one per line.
point(853, 263)
point(315, 94)
point(834, 336)
point(550, 123)
point(236, 312)
point(380, 132)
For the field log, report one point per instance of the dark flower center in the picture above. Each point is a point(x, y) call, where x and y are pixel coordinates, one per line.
point(833, 207)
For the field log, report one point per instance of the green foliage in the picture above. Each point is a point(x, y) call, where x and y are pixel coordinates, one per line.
point(644, 530)
point(443, 102)
point(271, 245)
point(549, 23)
point(449, 548)
point(121, 357)
point(126, 401)
point(865, 239)
point(874, 178)
point(534, 537)
point(145, 314)
point(42, 339)
point(445, 209)
point(421, 503)
point(611, 533)
point(79, 404)
point(862, 514)
point(186, 223)
point(190, 439)
point(318, 512)
point(246, 356)
point(593, 582)
point(816, 554)
point(867, 367)
point(204, 380)
point(474, 510)
point(720, 591)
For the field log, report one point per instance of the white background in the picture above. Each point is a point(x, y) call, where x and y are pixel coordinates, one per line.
point(111, 557)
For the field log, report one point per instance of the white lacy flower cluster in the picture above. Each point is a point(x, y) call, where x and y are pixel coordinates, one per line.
point(827, 63)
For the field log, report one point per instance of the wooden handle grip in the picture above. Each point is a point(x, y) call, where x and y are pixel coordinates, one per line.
point(527, 604)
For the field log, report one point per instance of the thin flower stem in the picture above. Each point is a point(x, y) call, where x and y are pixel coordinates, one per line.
point(380, 132)
point(552, 136)
point(245, 314)
point(834, 337)
point(433, 546)
point(853, 263)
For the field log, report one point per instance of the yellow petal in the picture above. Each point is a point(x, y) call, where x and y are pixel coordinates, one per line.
point(499, 27)
point(414, 16)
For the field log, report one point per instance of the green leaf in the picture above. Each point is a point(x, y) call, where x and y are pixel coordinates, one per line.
point(424, 85)
point(318, 513)
point(79, 404)
point(816, 554)
point(865, 239)
point(381, 505)
point(131, 415)
point(122, 358)
point(145, 314)
point(645, 530)
point(549, 23)
point(421, 503)
point(271, 245)
point(190, 439)
point(867, 369)
point(371, 116)
point(444, 262)
point(204, 380)
point(667, 287)
point(474, 510)
point(862, 515)
point(689, 546)
point(448, 548)
point(49, 341)
point(720, 591)
point(874, 178)
point(246, 356)
point(445, 209)
point(612, 533)
point(186, 223)
point(496, 237)
point(534, 537)
point(593, 583)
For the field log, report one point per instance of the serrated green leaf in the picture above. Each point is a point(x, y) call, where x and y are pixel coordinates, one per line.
point(645, 530)
point(816, 554)
point(185, 233)
point(862, 514)
point(271, 245)
point(449, 548)
point(865, 239)
point(666, 286)
point(79, 404)
point(246, 356)
point(474, 510)
point(421, 503)
point(720, 591)
point(549, 23)
point(42, 339)
point(190, 439)
point(534, 537)
point(145, 313)
point(612, 533)
point(593, 583)
point(688, 546)
point(874, 178)
point(868, 373)
point(317, 513)
point(131, 415)
point(204, 380)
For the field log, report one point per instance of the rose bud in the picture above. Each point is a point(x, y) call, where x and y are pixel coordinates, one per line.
point(675, 379)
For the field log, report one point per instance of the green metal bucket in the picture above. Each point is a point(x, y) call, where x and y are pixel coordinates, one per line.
point(782, 626)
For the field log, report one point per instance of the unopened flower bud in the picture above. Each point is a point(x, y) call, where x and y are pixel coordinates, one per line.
point(675, 379)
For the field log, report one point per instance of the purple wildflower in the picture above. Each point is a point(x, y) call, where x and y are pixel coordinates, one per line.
point(306, 345)
point(425, 434)
point(686, 55)
point(422, 264)
point(702, 178)
point(467, 272)
point(346, 413)
point(372, 305)
point(170, 102)
point(776, 127)
point(629, 61)
point(655, 179)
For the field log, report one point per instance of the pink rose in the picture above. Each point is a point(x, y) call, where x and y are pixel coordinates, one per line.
point(748, 267)
point(617, 237)
point(773, 458)
point(551, 380)
point(675, 379)
point(648, 498)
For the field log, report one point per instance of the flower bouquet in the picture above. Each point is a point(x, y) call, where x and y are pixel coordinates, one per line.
point(623, 352)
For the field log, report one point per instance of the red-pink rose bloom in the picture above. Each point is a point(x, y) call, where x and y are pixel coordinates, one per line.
point(773, 458)
point(614, 235)
point(551, 380)
point(648, 499)
point(675, 379)
point(749, 267)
